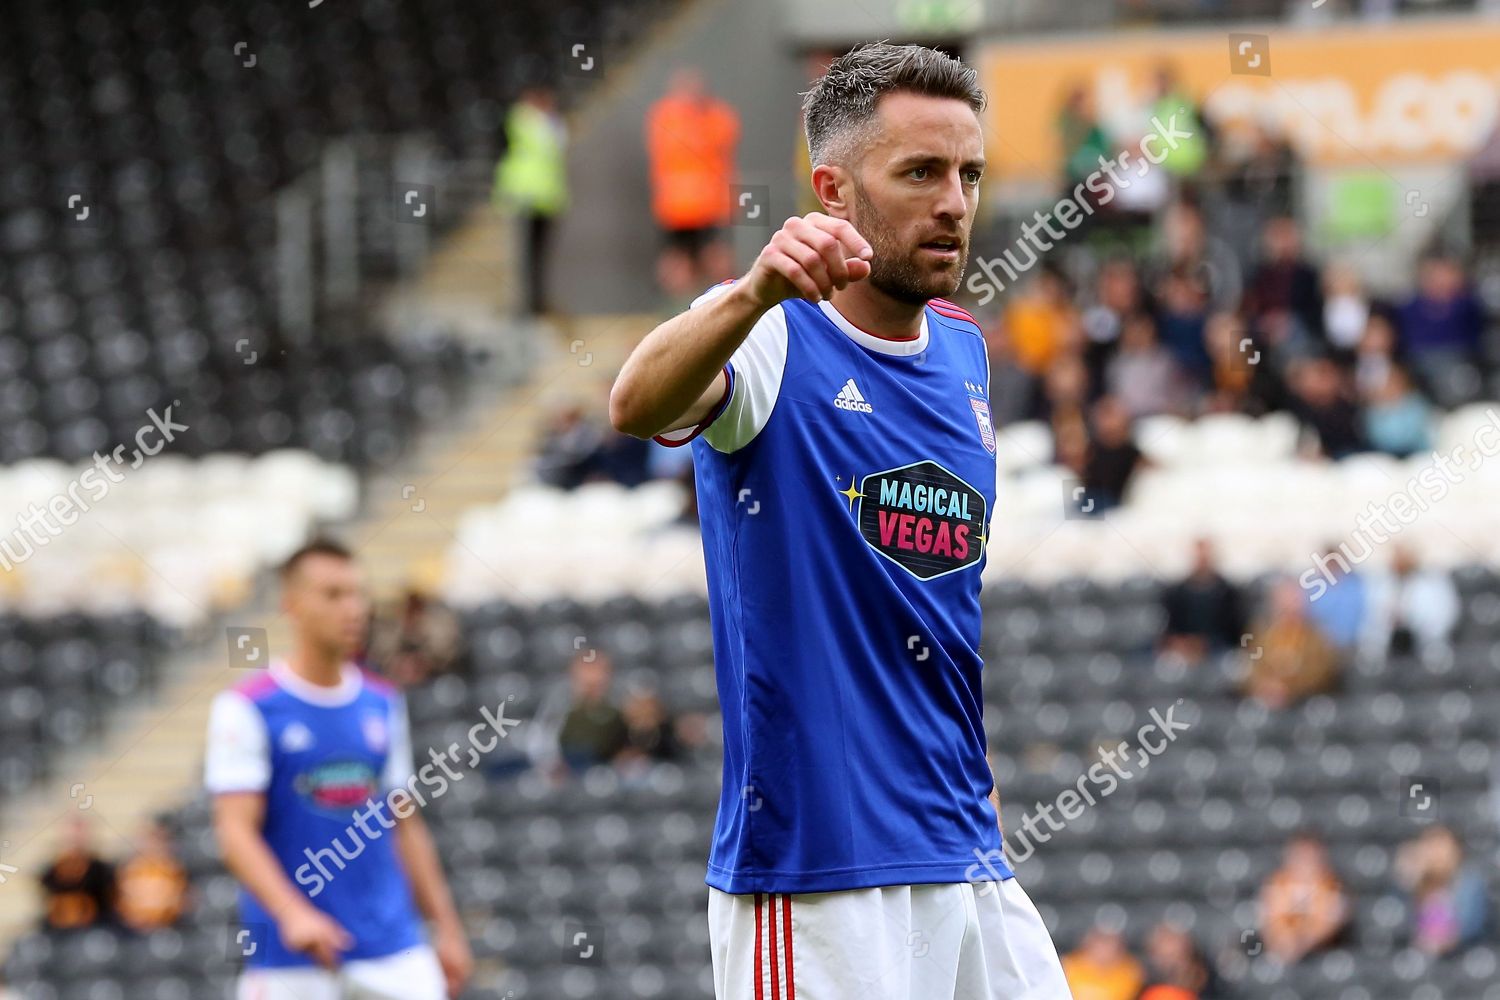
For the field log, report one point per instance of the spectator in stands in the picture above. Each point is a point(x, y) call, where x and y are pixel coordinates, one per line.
point(1117, 297)
point(531, 182)
point(152, 887)
point(1346, 310)
point(79, 885)
point(6, 993)
point(418, 639)
point(1322, 401)
point(577, 448)
point(690, 142)
point(1376, 354)
point(1071, 452)
point(1102, 968)
point(1284, 300)
point(1082, 140)
point(623, 459)
point(1065, 393)
point(1236, 366)
point(1257, 170)
point(594, 730)
point(1183, 318)
point(1341, 606)
point(1443, 322)
point(1143, 375)
point(1303, 908)
point(1113, 457)
point(1230, 353)
point(653, 734)
point(650, 732)
point(1289, 657)
point(1397, 419)
point(1176, 967)
point(1204, 610)
point(1447, 898)
point(1015, 394)
point(1412, 609)
point(1172, 102)
point(1042, 322)
point(569, 451)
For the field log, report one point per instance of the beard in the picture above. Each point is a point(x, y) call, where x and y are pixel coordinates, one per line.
point(898, 268)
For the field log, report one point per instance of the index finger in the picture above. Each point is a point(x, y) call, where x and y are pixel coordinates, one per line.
point(343, 940)
point(845, 233)
point(324, 954)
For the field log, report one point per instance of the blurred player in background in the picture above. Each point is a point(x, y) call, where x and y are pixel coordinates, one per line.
point(845, 465)
point(300, 760)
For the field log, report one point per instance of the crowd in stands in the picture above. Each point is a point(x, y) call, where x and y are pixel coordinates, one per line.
point(586, 722)
point(1303, 909)
point(1299, 641)
point(596, 729)
point(412, 641)
point(144, 892)
point(1291, 647)
point(1358, 373)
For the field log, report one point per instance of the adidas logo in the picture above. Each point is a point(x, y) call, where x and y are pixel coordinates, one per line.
point(849, 398)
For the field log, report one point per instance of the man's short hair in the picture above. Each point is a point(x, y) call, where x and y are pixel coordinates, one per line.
point(315, 547)
point(843, 101)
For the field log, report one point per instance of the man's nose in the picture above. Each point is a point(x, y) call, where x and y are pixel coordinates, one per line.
point(951, 201)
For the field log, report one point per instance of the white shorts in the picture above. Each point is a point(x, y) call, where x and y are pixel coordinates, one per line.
point(955, 941)
point(407, 975)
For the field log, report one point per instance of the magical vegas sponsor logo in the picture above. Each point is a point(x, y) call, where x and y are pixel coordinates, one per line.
point(337, 786)
point(922, 517)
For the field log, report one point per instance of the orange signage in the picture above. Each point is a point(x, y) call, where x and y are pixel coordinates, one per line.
point(1411, 90)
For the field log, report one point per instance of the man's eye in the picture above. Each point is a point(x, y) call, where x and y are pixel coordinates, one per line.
point(914, 171)
point(972, 176)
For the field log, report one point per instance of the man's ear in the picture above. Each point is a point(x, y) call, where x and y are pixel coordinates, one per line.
point(831, 183)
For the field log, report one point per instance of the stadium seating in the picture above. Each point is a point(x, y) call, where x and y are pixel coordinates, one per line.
point(61, 677)
point(1188, 836)
point(1229, 477)
point(180, 538)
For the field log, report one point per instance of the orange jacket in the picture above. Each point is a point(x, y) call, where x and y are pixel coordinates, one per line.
point(691, 149)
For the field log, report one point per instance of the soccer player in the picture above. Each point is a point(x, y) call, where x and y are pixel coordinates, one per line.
point(300, 758)
point(845, 469)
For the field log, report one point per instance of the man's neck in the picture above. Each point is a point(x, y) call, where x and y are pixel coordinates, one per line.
point(316, 666)
point(876, 313)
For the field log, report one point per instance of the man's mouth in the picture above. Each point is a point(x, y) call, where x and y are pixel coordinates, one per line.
point(942, 247)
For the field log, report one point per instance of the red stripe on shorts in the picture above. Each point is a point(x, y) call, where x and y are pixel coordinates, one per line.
point(775, 977)
point(786, 926)
point(759, 993)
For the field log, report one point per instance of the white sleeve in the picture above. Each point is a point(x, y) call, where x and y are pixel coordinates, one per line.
point(755, 371)
point(238, 757)
point(399, 767)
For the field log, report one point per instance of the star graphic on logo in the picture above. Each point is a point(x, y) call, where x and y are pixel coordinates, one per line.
point(852, 493)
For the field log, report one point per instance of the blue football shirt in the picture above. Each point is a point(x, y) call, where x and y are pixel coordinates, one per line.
point(322, 757)
point(845, 486)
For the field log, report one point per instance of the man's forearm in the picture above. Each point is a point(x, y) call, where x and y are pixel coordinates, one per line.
point(419, 857)
point(670, 370)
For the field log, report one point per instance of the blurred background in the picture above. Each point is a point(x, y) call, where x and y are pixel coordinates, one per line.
point(367, 269)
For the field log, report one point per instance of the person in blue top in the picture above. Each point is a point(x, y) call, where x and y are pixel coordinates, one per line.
point(838, 409)
point(307, 761)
